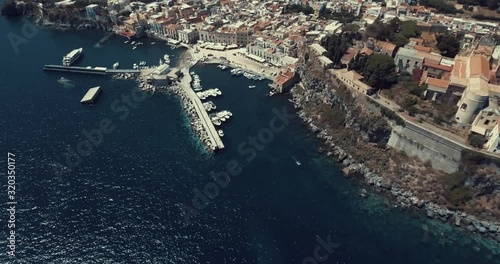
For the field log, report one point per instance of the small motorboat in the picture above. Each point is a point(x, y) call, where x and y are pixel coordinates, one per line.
point(251, 86)
point(296, 161)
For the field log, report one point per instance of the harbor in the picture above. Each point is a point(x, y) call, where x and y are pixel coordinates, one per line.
point(185, 84)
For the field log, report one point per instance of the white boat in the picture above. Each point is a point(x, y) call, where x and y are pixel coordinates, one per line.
point(116, 65)
point(134, 47)
point(133, 42)
point(152, 43)
point(126, 41)
point(220, 132)
point(71, 57)
point(251, 86)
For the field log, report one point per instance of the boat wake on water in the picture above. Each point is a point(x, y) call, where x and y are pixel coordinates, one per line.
point(296, 161)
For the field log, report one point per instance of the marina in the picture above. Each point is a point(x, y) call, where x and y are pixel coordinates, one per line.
point(213, 139)
point(211, 92)
point(222, 116)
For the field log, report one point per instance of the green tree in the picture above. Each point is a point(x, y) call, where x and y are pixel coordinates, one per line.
point(400, 40)
point(476, 140)
point(380, 71)
point(394, 24)
point(350, 27)
point(409, 29)
point(448, 45)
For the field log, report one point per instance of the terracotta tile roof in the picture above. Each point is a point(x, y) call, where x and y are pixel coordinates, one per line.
point(366, 51)
point(438, 82)
point(479, 66)
point(284, 77)
point(352, 75)
point(431, 64)
point(350, 53)
point(422, 48)
point(386, 46)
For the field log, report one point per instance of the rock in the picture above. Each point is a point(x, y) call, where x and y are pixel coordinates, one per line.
point(471, 228)
point(467, 221)
point(346, 170)
point(430, 214)
point(457, 220)
point(485, 224)
point(494, 228)
point(476, 224)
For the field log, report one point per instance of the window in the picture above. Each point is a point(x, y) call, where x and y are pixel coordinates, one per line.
point(487, 122)
point(463, 107)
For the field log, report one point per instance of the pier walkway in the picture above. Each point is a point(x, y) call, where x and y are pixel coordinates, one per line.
point(200, 110)
point(88, 70)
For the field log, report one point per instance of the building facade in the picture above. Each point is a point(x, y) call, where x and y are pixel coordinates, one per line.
point(188, 35)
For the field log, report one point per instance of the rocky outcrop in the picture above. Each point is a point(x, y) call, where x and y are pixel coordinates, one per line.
point(13, 8)
point(357, 143)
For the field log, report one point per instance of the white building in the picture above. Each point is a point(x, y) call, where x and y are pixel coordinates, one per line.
point(188, 35)
point(91, 11)
point(493, 144)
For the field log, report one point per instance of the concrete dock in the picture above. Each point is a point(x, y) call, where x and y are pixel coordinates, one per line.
point(200, 110)
point(91, 95)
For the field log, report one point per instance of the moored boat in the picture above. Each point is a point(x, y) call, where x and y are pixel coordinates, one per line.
point(71, 57)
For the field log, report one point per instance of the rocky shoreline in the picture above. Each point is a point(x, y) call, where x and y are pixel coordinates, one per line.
point(403, 198)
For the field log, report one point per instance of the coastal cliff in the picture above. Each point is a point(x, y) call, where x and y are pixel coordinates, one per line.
point(356, 132)
point(59, 17)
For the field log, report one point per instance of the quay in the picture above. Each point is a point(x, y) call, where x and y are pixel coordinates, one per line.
point(213, 136)
point(88, 70)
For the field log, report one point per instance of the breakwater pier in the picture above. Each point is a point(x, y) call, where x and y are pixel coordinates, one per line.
point(89, 70)
point(212, 136)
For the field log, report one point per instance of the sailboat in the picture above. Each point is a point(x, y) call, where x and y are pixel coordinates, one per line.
point(297, 161)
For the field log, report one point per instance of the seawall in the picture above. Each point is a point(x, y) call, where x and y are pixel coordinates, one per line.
point(443, 154)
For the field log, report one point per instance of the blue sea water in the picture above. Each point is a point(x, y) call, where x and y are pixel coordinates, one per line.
point(121, 203)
